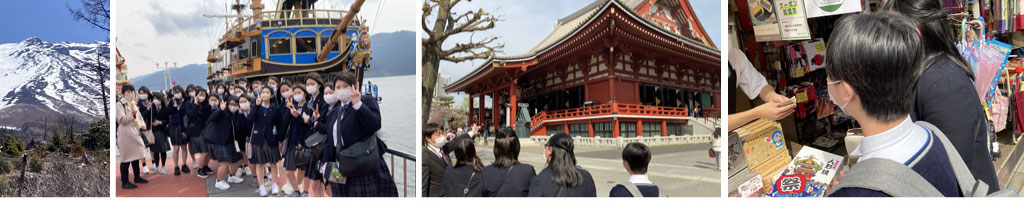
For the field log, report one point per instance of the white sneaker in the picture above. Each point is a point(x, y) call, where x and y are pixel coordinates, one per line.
point(234, 179)
point(238, 173)
point(222, 185)
point(263, 191)
point(274, 189)
point(288, 189)
point(248, 171)
point(163, 170)
point(145, 170)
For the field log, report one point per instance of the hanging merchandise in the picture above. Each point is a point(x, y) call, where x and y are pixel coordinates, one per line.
point(792, 21)
point(763, 16)
point(809, 175)
point(797, 60)
point(986, 57)
point(806, 99)
point(815, 52)
point(818, 8)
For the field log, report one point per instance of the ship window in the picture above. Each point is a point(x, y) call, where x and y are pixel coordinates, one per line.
point(305, 44)
point(255, 46)
point(280, 46)
point(325, 38)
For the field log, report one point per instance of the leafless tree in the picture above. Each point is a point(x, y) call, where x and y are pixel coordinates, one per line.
point(97, 13)
point(447, 23)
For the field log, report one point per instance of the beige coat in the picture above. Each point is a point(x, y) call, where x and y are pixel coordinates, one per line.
point(129, 142)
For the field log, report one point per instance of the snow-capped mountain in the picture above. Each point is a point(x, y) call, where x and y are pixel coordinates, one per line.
point(40, 78)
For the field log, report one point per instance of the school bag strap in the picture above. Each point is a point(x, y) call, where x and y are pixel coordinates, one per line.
point(887, 176)
point(633, 190)
point(969, 186)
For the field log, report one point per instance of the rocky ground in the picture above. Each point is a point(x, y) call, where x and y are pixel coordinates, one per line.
point(62, 176)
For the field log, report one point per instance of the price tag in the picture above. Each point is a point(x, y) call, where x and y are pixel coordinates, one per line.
point(801, 97)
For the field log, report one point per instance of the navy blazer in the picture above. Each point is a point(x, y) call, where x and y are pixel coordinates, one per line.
point(284, 121)
point(355, 125)
point(505, 182)
point(299, 129)
point(162, 114)
point(177, 114)
point(242, 125)
point(543, 185)
point(222, 127)
point(263, 122)
point(196, 115)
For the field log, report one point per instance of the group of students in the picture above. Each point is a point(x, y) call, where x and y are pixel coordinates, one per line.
point(507, 177)
point(251, 130)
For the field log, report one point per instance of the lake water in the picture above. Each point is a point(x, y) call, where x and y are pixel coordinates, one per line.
point(398, 119)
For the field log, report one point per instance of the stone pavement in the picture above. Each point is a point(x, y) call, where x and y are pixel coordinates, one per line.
point(680, 170)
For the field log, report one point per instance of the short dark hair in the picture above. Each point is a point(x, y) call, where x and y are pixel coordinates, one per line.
point(345, 76)
point(878, 55)
point(429, 130)
point(637, 155)
point(506, 148)
point(127, 87)
point(316, 77)
point(465, 154)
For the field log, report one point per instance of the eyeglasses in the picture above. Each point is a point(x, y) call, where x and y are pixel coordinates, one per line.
point(833, 82)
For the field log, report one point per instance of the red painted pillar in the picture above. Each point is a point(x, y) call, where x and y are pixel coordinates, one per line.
point(470, 119)
point(482, 117)
point(494, 108)
point(565, 127)
point(513, 104)
point(639, 128)
point(664, 128)
point(590, 128)
point(615, 128)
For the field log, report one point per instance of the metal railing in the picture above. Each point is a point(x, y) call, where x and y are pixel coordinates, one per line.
point(609, 109)
point(284, 18)
point(406, 159)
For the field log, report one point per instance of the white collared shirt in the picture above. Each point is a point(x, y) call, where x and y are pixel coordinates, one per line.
point(747, 78)
point(335, 129)
point(899, 144)
point(639, 179)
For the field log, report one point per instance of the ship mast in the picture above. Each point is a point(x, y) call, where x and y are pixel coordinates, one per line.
point(340, 30)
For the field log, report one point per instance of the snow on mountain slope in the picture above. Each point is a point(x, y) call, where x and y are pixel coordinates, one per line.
point(49, 77)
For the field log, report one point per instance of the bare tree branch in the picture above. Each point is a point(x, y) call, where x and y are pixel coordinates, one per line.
point(94, 12)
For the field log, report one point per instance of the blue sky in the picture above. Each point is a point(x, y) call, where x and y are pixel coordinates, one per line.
point(49, 20)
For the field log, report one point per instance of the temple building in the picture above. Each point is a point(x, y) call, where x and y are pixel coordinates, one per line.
point(615, 68)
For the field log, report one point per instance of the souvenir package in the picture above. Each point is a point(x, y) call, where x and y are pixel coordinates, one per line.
point(810, 174)
point(806, 99)
point(764, 148)
point(796, 59)
point(815, 53)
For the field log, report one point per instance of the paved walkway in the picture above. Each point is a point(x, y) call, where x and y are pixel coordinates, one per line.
point(681, 170)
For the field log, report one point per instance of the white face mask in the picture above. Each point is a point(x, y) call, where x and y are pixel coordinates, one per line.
point(233, 108)
point(243, 106)
point(287, 94)
point(331, 99)
point(440, 141)
point(311, 89)
point(177, 96)
point(191, 94)
point(344, 94)
point(157, 102)
point(273, 87)
point(143, 96)
point(833, 99)
point(201, 98)
point(213, 104)
point(299, 99)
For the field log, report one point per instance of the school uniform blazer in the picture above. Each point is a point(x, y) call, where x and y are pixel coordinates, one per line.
point(196, 115)
point(177, 114)
point(284, 121)
point(299, 129)
point(457, 178)
point(434, 168)
point(162, 114)
point(263, 122)
point(355, 125)
point(543, 185)
point(242, 125)
point(221, 121)
point(505, 182)
point(146, 114)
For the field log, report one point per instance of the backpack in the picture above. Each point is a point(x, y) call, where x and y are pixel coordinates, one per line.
point(899, 180)
point(636, 191)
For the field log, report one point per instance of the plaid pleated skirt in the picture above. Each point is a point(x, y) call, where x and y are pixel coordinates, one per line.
point(379, 184)
point(175, 133)
point(197, 145)
point(224, 153)
point(264, 154)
